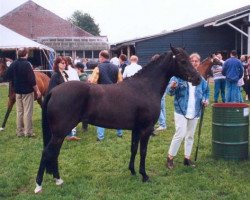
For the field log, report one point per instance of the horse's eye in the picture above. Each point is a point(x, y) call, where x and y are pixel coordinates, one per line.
point(183, 62)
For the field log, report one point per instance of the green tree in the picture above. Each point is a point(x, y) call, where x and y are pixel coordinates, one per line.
point(85, 21)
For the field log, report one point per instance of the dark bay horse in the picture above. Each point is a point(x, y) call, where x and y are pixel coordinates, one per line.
point(133, 104)
point(42, 81)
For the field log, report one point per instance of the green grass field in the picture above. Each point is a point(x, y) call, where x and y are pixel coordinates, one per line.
point(99, 170)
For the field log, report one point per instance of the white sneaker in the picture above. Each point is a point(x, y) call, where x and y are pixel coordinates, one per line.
point(160, 128)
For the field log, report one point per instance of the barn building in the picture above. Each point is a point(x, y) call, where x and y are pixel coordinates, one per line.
point(223, 33)
point(45, 27)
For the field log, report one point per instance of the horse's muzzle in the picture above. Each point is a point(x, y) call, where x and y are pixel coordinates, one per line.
point(194, 80)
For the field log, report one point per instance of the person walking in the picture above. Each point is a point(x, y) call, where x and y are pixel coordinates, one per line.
point(105, 73)
point(21, 74)
point(188, 104)
point(233, 71)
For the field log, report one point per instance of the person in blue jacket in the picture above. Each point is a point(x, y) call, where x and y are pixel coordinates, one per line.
point(188, 102)
point(233, 70)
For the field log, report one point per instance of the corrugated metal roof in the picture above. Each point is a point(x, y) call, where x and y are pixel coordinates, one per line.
point(206, 22)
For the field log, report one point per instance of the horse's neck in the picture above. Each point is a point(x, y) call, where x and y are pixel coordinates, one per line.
point(156, 79)
point(205, 67)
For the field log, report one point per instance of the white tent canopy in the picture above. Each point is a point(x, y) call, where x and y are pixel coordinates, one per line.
point(10, 40)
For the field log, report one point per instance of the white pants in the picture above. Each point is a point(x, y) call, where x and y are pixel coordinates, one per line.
point(184, 128)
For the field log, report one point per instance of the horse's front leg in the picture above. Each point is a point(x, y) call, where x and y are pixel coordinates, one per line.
point(134, 147)
point(143, 153)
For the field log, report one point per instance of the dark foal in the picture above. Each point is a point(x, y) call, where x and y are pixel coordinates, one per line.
point(133, 104)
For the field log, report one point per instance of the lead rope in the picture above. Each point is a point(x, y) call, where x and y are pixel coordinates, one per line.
point(200, 103)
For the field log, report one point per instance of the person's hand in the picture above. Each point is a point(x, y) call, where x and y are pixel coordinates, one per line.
point(173, 85)
point(205, 103)
point(38, 93)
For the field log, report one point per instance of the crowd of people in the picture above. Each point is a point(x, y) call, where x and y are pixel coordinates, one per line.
point(229, 77)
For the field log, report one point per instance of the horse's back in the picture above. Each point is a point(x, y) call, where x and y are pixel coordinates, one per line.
point(42, 81)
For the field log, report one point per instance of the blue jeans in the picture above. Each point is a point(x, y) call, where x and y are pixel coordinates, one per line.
point(219, 87)
point(101, 131)
point(162, 117)
point(233, 93)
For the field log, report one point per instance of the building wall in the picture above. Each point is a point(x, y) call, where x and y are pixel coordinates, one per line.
point(204, 40)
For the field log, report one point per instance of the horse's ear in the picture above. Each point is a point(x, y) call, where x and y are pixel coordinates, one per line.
point(174, 50)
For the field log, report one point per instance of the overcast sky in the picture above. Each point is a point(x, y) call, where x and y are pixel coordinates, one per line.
point(121, 20)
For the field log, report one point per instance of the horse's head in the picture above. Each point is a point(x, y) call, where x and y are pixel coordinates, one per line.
point(183, 68)
point(205, 67)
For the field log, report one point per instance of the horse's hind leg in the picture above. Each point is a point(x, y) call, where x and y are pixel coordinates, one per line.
point(40, 173)
point(49, 161)
point(143, 153)
point(11, 102)
point(134, 147)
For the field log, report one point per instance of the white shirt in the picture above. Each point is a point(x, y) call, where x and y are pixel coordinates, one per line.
point(131, 69)
point(72, 73)
point(115, 61)
point(191, 102)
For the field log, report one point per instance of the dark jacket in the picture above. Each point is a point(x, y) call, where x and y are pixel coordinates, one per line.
point(108, 73)
point(56, 79)
point(21, 74)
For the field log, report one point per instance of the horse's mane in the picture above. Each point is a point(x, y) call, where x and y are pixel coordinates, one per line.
point(151, 65)
point(205, 60)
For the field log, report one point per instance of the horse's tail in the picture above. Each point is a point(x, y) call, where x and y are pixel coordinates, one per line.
point(45, 125)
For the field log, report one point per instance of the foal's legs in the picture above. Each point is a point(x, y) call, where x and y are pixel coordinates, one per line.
point(143, 153)
point(134, 147)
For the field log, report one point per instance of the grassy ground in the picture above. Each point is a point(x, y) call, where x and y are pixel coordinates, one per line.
point(94, 170)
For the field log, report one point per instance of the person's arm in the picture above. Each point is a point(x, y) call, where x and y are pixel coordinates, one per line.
point(173, 84)
point(224, 69)
point(94, 76)
point(241, 71)
point(37, 91)
point(206, 92)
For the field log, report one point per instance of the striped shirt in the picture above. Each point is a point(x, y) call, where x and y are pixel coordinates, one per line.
point(217, 69)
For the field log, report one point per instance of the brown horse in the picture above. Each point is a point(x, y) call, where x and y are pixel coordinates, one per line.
point(206, 65)
point(42, 81)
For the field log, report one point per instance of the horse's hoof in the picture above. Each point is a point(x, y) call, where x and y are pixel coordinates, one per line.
point(133, 173)
point(145, 179)
point(1, 129)
point(59, 181)
point(38, 189)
